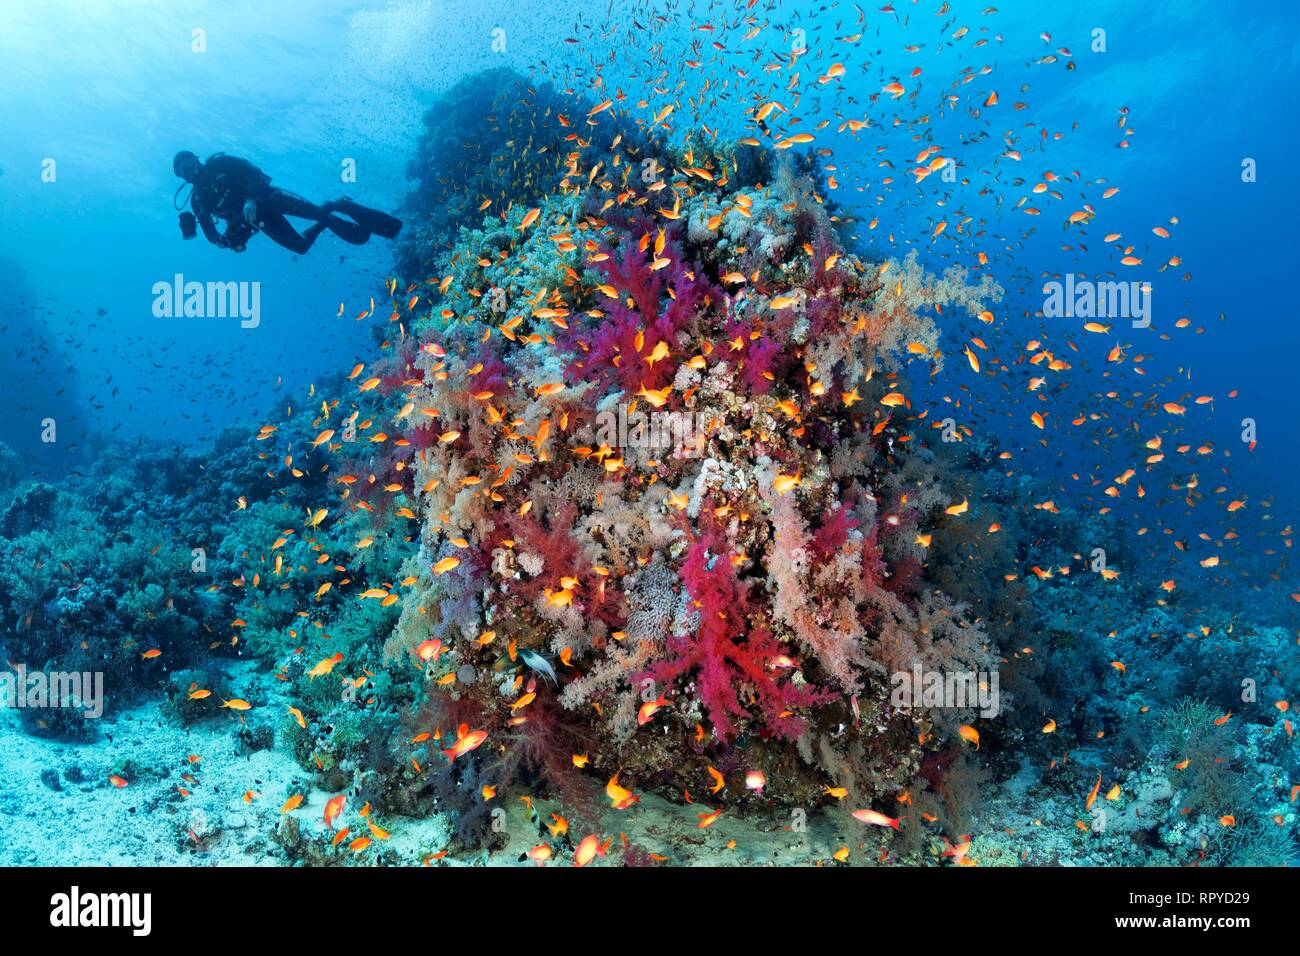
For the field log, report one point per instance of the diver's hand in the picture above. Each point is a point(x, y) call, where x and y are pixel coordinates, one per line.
point(250, 212)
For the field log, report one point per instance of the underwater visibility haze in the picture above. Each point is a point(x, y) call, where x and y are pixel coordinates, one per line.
point(698, 433)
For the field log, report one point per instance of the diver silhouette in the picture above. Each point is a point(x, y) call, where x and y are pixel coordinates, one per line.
point(240, 194)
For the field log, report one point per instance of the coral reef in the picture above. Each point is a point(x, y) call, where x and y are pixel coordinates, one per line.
point(633, 505)
point(736, 600)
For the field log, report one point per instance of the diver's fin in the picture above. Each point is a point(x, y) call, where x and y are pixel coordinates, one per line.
point(377, 222)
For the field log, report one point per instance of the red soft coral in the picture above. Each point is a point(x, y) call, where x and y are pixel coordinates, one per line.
point(758, 356)
point(612, 357)
point(831, 536)
point(556, 542)
point(725, 654)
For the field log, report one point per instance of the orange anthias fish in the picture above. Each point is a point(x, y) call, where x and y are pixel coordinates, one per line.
point(466, 740)
point(620, 797)
point(429, 650)
point(957, 852)
point(324, 666)
point(588, 850)
point(649, 709)
point(876, 818)
point(708, 819)
point(1092, 794)
point(540, 854)
point(333, 807)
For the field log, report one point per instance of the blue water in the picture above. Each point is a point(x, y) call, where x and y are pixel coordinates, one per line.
point(110, 91)
point(96, 98)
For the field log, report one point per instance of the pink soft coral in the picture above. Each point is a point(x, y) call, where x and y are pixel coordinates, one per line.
point(612, 356)
point(830, 537)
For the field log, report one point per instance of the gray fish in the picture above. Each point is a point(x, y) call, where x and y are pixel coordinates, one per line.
point(540, 664)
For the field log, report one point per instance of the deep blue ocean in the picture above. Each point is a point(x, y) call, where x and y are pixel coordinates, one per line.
point(1183, 111)
point(109, 91)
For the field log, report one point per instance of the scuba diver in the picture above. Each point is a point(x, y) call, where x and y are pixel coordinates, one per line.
point(240, 194)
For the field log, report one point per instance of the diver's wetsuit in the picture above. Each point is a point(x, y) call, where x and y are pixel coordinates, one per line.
point(229, 183)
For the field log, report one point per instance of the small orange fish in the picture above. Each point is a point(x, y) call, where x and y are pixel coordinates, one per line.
point(445, 565)
point(588, 849)
point(428, 650)
point(1092, 794)
point(708, 819)
point(620, 797)
point(649, 709)
point(466, 740)
point(718, 780)
point(875, 818)
point(333, 807)
point(324, 666)
point(957, 852)
point(540, 854)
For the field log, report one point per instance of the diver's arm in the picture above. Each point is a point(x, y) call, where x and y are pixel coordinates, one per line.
point(210, 231)
point(206, 222)
point(204, 218)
